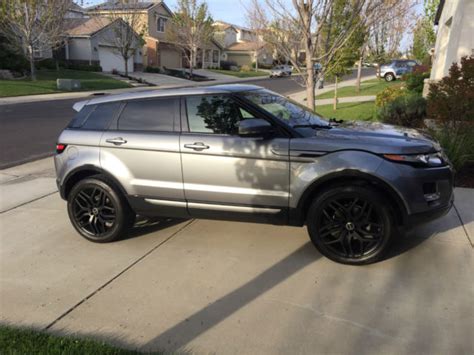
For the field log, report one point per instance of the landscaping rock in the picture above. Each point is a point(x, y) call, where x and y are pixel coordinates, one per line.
point(6, 75)
point(68, 84)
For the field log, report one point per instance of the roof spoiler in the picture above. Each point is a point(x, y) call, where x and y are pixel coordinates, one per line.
point(79, 105)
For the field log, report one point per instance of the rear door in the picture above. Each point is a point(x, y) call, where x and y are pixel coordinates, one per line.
point(142, 150)
point(228, 176)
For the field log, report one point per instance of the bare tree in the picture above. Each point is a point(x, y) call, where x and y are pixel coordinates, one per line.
point(128, 26)
point(33, 27)
point(191, 29)
point(255, 14)
point(304, 26)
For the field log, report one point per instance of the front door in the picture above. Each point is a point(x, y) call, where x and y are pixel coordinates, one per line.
point(228, 176)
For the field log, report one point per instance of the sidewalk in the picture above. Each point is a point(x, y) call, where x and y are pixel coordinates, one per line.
point(300, 97)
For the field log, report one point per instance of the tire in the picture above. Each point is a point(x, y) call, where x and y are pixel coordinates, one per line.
point(350, 224)
point(389, 77)
point(98, 210)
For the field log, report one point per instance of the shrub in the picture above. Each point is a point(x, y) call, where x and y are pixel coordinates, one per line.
point(226, 64)
point(414, 81)
point(10, 59)
point(451, 100)
point(48, 63)
point(83, 67)
point(406, 110)
point(245, 68)
point(388, 95)
point(458, 145)
point(152, 70)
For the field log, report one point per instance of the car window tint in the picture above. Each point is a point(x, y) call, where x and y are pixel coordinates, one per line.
point(101, 117)
point(150, 115)
point(81, 116)
point(217, 114)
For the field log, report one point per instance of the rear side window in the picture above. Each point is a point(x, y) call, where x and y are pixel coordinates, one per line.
point(81, 116)
point(95, 117)
point(160, 115)
point(101, 117)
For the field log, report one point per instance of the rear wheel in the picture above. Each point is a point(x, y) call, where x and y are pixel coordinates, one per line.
point(98, 211)
point(350, 224)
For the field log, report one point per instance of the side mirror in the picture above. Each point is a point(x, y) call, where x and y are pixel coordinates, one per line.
point(255, 127)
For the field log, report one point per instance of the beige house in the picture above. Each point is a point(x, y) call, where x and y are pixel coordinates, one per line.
point(241, 45)
point(158, 52)
point(92, 41)
point(455, 35)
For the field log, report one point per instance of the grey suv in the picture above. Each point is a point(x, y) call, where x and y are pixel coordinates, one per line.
point(243, 153)
point(396, 69)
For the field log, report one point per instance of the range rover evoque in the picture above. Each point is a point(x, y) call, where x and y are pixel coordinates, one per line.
point(240, 152)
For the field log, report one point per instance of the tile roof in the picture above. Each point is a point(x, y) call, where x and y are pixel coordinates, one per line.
point(85, 26)
point(112, 5)
point(244, 46)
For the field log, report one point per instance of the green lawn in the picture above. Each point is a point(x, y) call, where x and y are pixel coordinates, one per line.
point(46, 83)
point(361, 111)
point(28, 341)
point(240, 74)
point(369, 87)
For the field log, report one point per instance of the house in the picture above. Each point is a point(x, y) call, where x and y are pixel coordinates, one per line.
point(93, 41)
point(158, 51)
point(455, 35)
point(241, 45)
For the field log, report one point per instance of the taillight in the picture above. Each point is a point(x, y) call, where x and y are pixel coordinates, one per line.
point(60, 148)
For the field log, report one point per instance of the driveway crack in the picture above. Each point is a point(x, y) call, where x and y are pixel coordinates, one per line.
point(463, 226)
point(116, 276)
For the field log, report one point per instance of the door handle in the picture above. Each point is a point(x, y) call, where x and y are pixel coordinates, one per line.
point(116, 141)
point(197, 146)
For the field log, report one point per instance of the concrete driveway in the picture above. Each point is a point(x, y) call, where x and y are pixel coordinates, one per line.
point(221, 287)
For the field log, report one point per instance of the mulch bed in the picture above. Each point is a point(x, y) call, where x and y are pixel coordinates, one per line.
point(465, 177)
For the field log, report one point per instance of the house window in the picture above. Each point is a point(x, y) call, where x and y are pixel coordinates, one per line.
point(160, 24)
point(215, 56)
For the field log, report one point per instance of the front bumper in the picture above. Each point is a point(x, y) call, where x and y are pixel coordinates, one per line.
point(427, 193)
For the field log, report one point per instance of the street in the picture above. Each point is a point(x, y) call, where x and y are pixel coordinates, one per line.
point(30, 130)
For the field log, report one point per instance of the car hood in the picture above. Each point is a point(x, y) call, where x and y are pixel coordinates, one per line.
point(376, 138)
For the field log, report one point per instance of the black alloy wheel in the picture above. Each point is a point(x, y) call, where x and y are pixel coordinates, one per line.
point(98, 211)
point(350, 225)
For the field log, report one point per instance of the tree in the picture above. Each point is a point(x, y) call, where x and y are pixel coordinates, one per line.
point(255, 14)
point(191, 29)
point(33, 26)
point(424, 36)
point(128, 27)
point(345, 58)
point(298, 27)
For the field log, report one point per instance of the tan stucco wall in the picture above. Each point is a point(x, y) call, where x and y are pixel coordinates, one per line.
point(453, 40)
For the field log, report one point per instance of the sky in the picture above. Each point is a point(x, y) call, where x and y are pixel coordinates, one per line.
point(233, 11)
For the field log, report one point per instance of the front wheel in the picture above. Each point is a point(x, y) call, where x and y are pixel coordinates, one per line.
point(350, 224)
point(98, 211)
point(389, 77)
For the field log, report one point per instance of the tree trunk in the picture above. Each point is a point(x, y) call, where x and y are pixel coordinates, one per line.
point(359, 74)
point(310, 84)
point(335, 94)
point(256, 60)
point(126, 65)
point(191, 64)
point(32, 65)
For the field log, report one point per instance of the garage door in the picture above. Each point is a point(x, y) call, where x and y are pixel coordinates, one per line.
point(110, 60)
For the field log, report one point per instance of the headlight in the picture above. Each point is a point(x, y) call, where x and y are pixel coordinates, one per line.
point(425, 160)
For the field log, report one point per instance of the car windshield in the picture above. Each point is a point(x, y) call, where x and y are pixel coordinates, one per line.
point(285, 110)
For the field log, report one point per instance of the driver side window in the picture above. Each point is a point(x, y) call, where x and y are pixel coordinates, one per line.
point(218, 114)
